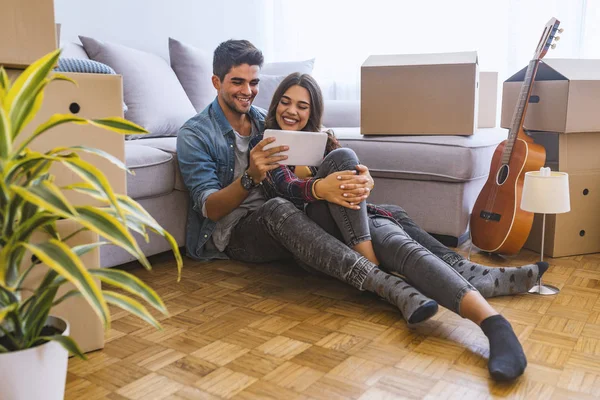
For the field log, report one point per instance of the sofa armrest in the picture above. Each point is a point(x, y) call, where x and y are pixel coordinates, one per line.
point(341, 113)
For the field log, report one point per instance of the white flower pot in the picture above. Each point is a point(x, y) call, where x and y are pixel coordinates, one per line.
point(36, 373)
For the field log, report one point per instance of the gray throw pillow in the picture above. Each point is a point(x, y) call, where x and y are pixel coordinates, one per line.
point(266, 87)
point(288, 67)
point(193, 68)
point(151, 90)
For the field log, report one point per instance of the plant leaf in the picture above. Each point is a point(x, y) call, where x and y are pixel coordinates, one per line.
point(4, 81)
point(119, 125)
point(84, 248)
point(130, 283)
point(5, 310)
point(59, 257)
point(24, 91)
point(55, 120)
point(96, 178)
point(68, 343)
point(113, 230)
point(134, 208)
point(26, 228)
point(5, 134)
point(130, 305)
point(46, 195)
point(37, 314)
point(101, 153)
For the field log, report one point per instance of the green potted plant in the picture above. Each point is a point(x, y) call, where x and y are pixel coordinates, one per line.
point(34, 346)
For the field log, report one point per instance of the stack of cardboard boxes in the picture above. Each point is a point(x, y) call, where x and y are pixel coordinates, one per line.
point(563, 115)
point(28, 32)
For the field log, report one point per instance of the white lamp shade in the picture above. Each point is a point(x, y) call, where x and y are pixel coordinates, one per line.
point(546, 192)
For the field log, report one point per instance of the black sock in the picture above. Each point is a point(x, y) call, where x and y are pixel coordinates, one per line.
point(415, 306)
point(507, 360)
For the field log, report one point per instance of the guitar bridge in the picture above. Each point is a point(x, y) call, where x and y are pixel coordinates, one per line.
point(490, 216)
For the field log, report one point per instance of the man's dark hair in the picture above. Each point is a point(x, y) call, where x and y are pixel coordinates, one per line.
point(232, 53)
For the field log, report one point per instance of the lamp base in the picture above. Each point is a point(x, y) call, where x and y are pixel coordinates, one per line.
point(544, 290)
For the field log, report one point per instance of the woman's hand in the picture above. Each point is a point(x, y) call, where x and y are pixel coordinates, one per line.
point(364, 171)
point(344, 188)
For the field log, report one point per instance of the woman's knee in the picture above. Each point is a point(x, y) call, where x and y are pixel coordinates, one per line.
point(344, 158)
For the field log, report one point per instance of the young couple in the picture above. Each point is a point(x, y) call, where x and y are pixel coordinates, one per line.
point(247, 207)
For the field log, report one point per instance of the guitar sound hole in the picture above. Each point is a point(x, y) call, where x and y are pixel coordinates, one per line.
point(502, 175)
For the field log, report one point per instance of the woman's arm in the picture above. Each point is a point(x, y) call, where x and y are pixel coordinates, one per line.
point(282, 182)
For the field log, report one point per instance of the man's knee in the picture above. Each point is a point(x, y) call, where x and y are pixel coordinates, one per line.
point(278, 207)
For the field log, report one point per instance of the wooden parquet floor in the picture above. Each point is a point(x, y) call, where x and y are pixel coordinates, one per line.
point(238, 331)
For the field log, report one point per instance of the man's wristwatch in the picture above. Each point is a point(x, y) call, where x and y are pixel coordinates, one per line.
point(247, 181)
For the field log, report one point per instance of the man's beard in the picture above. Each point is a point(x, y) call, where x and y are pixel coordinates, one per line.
point(233, 106)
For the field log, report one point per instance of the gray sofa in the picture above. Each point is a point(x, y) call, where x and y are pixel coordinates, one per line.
point(435, 178)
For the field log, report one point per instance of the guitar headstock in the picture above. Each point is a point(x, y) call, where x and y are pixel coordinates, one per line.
point(546, 39)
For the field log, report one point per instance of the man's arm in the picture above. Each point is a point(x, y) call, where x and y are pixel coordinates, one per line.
point(220, 203)
point(199, 172)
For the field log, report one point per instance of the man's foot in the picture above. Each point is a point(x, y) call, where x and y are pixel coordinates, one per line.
point(507, 360)
point(415, 306)
point(500, 281)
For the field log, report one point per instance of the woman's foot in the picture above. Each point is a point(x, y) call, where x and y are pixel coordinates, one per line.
point(507, 360)
point(495, 281)
point(415, 306)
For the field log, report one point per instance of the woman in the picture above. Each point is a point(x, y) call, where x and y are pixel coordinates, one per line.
point(334, 196)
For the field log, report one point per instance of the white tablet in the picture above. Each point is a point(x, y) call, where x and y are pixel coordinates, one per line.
point(306, 148)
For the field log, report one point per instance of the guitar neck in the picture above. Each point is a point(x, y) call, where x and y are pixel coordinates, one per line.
point(519, 114)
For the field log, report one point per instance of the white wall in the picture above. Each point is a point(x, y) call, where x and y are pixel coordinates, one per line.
point(147, 24)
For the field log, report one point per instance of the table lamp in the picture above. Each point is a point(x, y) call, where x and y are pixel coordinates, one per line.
point(545, 192)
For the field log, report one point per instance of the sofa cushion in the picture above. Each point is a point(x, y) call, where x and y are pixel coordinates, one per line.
point(437, 158)
point(168, 145)
point(341, 113)
point(266, 87)
point(287, 67)
point(193, 68)
point(151, 90)
point(154, 171)
point(73, 50)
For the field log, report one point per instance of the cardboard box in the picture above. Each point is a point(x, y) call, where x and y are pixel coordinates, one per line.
point(578, 231)
point(488, 99)
point(86, 326)
point(420, 94)
point(95, 96)
point(565, 97)
point(27, 30)
point(575, 232)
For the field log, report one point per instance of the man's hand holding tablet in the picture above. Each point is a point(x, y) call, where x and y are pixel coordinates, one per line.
point(264, 160)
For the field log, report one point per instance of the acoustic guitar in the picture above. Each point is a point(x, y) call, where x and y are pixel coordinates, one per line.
point(498, 225)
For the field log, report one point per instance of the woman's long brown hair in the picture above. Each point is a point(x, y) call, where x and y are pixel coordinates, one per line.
point(316, 106)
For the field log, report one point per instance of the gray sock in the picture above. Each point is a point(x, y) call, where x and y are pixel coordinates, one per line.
point(495, 281)
point(415, 307)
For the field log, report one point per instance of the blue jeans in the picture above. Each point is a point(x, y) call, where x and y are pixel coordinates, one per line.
point(396, 249)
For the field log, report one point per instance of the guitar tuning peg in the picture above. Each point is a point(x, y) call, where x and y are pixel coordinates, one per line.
point(561, 30)
point(553, 45)
point(557, 38)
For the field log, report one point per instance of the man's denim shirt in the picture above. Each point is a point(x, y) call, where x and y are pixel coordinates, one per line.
point(205, 151)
